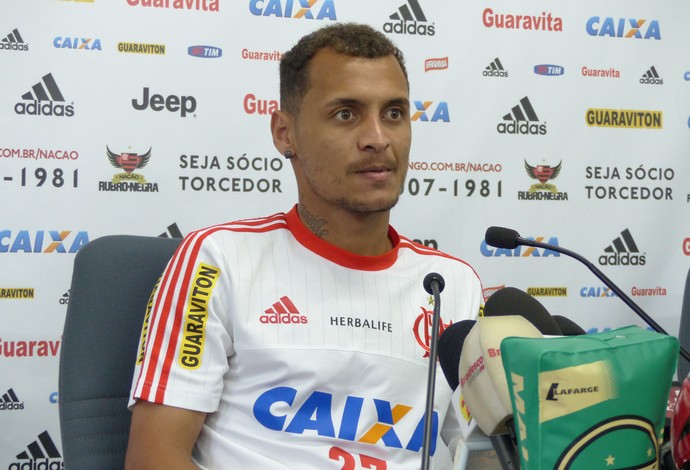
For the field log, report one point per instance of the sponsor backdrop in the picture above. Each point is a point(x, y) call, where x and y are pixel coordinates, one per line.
point(568, 122)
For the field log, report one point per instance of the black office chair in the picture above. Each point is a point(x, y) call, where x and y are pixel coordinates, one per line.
point(111, 283)
point(684, 331)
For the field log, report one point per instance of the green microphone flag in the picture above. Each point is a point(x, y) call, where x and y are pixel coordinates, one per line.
point(590, 401)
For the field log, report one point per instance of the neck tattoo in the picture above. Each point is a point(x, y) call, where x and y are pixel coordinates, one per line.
point(315, 224)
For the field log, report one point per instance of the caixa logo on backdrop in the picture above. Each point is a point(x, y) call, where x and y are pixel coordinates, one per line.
point(522, 251)
point(44, 99)
point(85, 44)
point(307, 9)
point(623, 28)
point(430, 111)
point(42, 241)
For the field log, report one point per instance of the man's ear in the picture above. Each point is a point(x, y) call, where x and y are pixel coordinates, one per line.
point(282, 130)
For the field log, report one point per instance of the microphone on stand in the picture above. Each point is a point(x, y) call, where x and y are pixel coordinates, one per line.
point(433, 284)
point(501, 237)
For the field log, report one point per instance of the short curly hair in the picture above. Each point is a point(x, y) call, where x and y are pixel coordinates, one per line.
point(353, 39)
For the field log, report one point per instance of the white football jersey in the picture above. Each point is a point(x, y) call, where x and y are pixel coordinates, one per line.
point(302, 354)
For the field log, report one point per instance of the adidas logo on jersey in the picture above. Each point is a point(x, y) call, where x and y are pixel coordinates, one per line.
point(623, 252)
point(495, 69)
point(13, 42)
point(522, 119)
point(44, 99)
point(283, 312)
point(40, 455)
point(10, 402)
point(409, 19)
point(651, 77)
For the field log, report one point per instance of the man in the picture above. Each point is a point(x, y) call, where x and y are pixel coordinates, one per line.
point(289, 342)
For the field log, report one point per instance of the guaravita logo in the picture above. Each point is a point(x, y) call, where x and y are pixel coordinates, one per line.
point(522, 119)
point(10, 402)
point(40, 454)
point(283, 312)
point(623, 251)
point(13, 42)
point(44, 99)
point(409, 19)
point(651, 77)
point(495, 69)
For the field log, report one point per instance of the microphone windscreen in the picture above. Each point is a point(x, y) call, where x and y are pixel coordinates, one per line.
point(501, 237)
point(512, 301)
point(567, 326)
point(482, 376)
point(449, 348)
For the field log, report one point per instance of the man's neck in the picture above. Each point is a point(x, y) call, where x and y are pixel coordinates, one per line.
point(361, 234)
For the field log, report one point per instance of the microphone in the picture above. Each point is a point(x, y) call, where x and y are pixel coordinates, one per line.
point(433, 284)
point(513, 301)
point(501, 237)
point(483, 380)
point(449, 348)
point(567, 326)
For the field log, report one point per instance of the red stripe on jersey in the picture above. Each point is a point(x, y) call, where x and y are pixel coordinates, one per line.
point(174, 280)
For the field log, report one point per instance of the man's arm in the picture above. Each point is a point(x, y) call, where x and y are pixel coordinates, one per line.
point(162, 437)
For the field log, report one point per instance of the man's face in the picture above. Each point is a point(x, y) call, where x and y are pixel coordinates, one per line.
point(352, 135)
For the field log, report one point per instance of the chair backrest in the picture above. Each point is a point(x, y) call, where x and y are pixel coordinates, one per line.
point(684, 331)
point(111, 283)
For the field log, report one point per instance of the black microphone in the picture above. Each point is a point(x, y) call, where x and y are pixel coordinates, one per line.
point(449, 349)
point(501, 237)
point(433, 284)
point(513, 301)
point(568, 327)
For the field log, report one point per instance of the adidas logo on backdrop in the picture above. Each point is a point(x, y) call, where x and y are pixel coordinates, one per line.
point(409, 19)
point(44, 99)
point(13, 42)
point(522, 119)
point(623, 251)
point(651, 77)
point(10, 402)
point(42, 454)
point(495, 69)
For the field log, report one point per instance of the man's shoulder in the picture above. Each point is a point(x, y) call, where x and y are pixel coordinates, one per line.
point(254, 225)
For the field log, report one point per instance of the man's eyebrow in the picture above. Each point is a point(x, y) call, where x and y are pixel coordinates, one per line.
point(402, 101)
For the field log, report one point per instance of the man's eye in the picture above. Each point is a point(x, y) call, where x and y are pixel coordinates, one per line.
point(345, 115)
point(395, 114)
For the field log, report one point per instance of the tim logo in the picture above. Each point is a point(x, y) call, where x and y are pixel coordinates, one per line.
point(549, 70)
point(205, 52)
point(623, 28)
point(438, 112)
point(307, 9)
